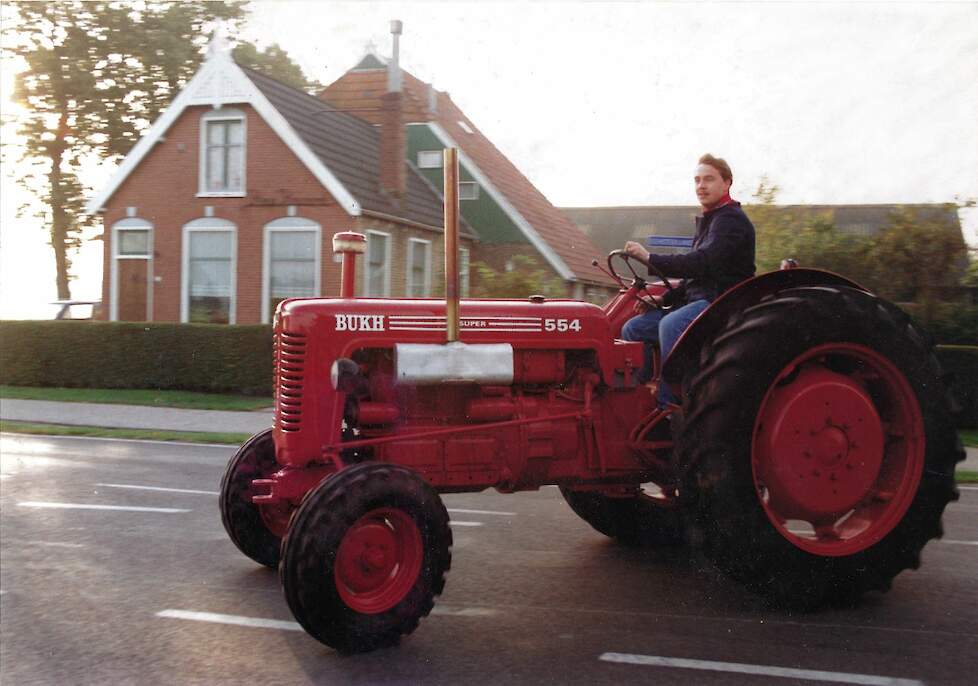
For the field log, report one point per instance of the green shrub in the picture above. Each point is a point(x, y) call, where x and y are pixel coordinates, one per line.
point(948, 323)
point(960, 363)
point(194, 357)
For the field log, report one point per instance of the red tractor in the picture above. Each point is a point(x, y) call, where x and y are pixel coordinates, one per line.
point(814, 451)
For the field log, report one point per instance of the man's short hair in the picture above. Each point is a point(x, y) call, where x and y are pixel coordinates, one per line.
point(719, 164)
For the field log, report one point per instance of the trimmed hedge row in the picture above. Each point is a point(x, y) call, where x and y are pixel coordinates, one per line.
point(231, 359)
point(81, 354)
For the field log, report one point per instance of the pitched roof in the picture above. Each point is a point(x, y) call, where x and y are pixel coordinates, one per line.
point(350, 148)
point(567, 248)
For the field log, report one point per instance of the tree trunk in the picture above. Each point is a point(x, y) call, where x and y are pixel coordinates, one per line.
point(60, 220)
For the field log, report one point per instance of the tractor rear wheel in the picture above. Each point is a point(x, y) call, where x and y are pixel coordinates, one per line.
point(256, 530)
point(817, 450)
point(366, 554)
point(643, 520)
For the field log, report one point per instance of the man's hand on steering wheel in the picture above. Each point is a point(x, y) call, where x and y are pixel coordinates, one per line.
point(634, 251)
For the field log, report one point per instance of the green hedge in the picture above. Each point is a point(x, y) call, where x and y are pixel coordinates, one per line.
point(960, 363)
point(194, 357)
point(947, 323)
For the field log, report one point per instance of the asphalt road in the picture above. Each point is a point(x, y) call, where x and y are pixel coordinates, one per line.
point(125, 596)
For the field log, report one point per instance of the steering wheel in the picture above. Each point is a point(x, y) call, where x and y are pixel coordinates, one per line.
point(628, 259)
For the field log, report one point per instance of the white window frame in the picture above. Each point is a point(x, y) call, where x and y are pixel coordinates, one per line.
point(464, 270)
point(223, 114)
point(439, 154)
point(292, 225)
point(207, 224)
point(409, 275)
point(130, 224)
point(468, 184)
point(387, 263)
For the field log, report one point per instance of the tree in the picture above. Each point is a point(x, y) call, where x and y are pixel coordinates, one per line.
point(275, 62)
point(807, 236)
point(919, 257)
point(96, 75)
point(525, 278)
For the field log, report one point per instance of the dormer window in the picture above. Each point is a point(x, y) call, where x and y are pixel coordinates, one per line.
point(468, 190)
point(429, 159)
point(222, 153)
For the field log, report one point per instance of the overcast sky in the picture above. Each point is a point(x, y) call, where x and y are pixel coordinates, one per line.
point(611, 103)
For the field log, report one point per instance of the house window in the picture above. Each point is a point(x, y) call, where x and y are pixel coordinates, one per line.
point(463, 272)
point(418, 268)
point(377, 275)
point(430, 159)
point(209, 247)
point(222, 153)
point(133, 243)
point(291, 262)
point(468, 190)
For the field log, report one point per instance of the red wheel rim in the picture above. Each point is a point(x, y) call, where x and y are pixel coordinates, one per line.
point(838, 449)
point(379, 560)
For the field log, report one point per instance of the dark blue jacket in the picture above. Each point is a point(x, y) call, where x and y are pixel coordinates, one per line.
point(722, 254)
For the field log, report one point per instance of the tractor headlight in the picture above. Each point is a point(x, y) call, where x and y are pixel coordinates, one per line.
point(344, 374)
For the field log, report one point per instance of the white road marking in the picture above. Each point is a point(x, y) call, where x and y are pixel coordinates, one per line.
point(485, 512)
point(236, 620)
point(56, 544)
point(763, 670)
point(463, 611)
point(455, 522)
point(5, 476)
point(959, 542)
point(225, 446)
point(968, 488)
point(82, 506)
point(159, 488)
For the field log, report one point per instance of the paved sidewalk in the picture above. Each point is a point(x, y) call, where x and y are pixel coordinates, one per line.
point(170, 419)
point(134, 416)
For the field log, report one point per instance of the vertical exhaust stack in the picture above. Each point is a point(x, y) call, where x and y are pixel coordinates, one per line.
point(425, 364)
point(393, 138)
point(349, 244)
point(450, 167)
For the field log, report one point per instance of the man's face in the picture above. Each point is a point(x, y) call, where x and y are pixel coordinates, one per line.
point(710, 186)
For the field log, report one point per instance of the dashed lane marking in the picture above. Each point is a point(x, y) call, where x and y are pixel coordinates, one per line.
point(484, 512)
point(236, 620)
point(284, 625)
point(85, 506)
point(959, 542)
point(159, 488)
point(761, 670)
point(455, 522)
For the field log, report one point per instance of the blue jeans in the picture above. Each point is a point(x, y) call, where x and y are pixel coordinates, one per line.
point(655, 326)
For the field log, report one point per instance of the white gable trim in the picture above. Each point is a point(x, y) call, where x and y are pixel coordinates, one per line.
point(220, 82)
point(531, 234)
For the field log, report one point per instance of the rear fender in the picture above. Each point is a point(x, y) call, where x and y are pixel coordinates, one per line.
point(706, 327)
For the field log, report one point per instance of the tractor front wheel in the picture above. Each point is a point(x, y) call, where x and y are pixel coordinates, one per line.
point(817, 450)
point(642, 520)
point(366, 554)
point(256, 530)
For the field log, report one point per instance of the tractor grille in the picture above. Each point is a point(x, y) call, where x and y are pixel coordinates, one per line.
point(290, 372)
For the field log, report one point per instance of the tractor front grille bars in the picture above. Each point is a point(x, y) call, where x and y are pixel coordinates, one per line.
point(290, 370)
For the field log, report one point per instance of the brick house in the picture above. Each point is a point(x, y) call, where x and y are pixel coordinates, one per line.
point(229, 202)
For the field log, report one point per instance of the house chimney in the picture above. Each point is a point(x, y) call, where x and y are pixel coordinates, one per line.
point(393, 143)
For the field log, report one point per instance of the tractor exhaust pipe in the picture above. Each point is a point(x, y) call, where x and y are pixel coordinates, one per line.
point(423, 364)
point(450, 166)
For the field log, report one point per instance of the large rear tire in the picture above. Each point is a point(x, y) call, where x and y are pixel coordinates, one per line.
point(817, 450)
point(641, 521)
point(365, 556)
point(256, 531)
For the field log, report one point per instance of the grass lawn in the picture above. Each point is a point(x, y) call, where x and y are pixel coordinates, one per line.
point(143, 434)
point(966, 477)
point(123, 396)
